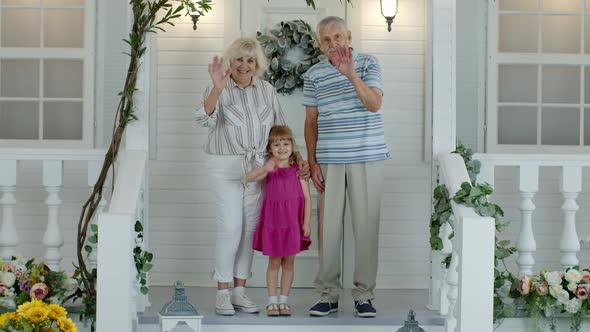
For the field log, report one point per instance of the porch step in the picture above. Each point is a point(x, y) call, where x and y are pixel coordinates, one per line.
point(392, 305)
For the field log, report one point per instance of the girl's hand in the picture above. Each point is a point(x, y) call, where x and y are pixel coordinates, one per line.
point(270, 165)
point(306, 230)
point(218, 77)
point(303, 173)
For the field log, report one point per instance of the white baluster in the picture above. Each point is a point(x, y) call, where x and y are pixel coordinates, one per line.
point(8, 235)
point(453, 284)
point(571, 185)
point(94, 168)
point(445, 231)
point(526, 245)
point(53, 239)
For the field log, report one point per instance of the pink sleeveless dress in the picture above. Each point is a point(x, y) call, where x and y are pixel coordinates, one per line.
point(278, 232)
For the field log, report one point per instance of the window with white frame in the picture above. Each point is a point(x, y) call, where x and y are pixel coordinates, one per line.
point(46, 73)
point(538, 76)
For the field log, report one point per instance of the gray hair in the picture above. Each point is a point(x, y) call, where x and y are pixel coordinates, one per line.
point(329, 20)
point(245, 47)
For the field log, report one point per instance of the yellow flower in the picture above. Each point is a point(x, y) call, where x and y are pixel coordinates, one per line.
point(56, 311)
point(32, 304)
point(36, 314)
point(4, 318)
point(66, 325)
point(48, 329)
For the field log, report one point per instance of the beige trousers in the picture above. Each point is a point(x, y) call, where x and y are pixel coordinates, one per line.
point(363, 184)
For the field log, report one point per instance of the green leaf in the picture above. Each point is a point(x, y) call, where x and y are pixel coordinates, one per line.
point(138, 226)
point(88, 248)
point(94, 227)
point(147, 267)
point(144, 290)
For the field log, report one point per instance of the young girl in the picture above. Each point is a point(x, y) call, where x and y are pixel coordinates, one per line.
point(284, 226)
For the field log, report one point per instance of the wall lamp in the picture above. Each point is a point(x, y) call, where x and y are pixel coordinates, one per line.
point(389, 10)
point(196, 13)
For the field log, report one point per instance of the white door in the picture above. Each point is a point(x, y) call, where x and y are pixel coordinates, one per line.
point(262, 15)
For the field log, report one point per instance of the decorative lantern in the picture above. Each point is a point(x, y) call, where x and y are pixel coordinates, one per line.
point(411, 325)
point(389, 10)
point(179, 310)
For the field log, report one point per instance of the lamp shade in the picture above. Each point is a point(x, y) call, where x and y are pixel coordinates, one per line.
point(388, 8)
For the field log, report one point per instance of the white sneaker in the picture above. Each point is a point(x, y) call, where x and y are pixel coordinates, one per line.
point(243, 302)
point(223, 305)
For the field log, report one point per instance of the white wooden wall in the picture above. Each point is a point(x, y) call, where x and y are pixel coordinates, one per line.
point(182, 228)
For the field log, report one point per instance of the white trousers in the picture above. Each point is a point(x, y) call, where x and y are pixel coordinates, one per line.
point(237, 209)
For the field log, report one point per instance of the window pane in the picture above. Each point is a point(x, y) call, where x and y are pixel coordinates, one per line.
point(587, 126)
point(55, 3)
point(19, 78)
point(561, 34)
point(562, 5)
point(561, 84)
point(63, 78)
point(26, 24)
point(517, 83)
point(560, 126)
point(19, 120)
point(519, 5)
point(21, 3)
point(518, 33)
point(517, 125)
point(64, 28)
point(62, 120)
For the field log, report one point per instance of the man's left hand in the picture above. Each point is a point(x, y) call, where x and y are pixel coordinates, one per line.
point(342, 59)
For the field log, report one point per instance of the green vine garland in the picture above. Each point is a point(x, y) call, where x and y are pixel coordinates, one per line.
point(291, 50)
point(475, 196)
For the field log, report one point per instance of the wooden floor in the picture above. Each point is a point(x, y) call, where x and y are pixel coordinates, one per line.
point(392, 306)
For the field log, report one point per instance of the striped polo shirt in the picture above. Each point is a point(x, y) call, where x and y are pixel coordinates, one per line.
point(347, 131)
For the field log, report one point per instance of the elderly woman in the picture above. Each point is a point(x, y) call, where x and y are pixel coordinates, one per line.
point(239, 109)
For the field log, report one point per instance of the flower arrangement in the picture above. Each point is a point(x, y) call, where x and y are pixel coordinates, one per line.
point(22, 280)
point(37, 316)
point(291, 50)
point(554, 292)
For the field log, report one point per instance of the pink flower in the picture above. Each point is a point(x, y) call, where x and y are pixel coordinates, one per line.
point(582, 292)
point(586, 276)
point(8, 267)
point(39, 291)
point(542, 289)
point(3, 288)
point(524, 285)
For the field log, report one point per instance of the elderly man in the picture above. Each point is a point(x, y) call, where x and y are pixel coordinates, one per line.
point(345, 147)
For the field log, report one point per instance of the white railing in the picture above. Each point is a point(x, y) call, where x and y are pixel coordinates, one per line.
point(467, 286)
point(570, 185)
point(117, 287)
point(52, 161)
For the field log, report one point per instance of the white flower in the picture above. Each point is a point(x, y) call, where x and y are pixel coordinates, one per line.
point(70, 284)
point(563, 296)
point(572, 287)
point(8, 278)
point(553, 278)
point(573, 276)
point(573, 305)
point(554, 290)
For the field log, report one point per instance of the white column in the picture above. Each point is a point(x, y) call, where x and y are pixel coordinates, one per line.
point(94, 168)
point(8, 235)
point(570, 185)
point(452, 295)
point(53, 239)
point(526, 245)
point(445, 231)
point(475, 237)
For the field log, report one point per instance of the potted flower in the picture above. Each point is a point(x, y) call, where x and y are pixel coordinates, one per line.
point(37, 316)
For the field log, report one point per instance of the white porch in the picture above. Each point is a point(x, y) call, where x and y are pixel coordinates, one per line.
point(41, 191)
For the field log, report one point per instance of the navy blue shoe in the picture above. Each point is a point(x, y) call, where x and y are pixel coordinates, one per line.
point(365, 309)
point(323, 308)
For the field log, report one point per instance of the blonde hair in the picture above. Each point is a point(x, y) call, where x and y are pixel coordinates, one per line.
point(279, 133)
point(245, 47)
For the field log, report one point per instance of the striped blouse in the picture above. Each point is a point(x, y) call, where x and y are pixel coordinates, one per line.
point(241, 121)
